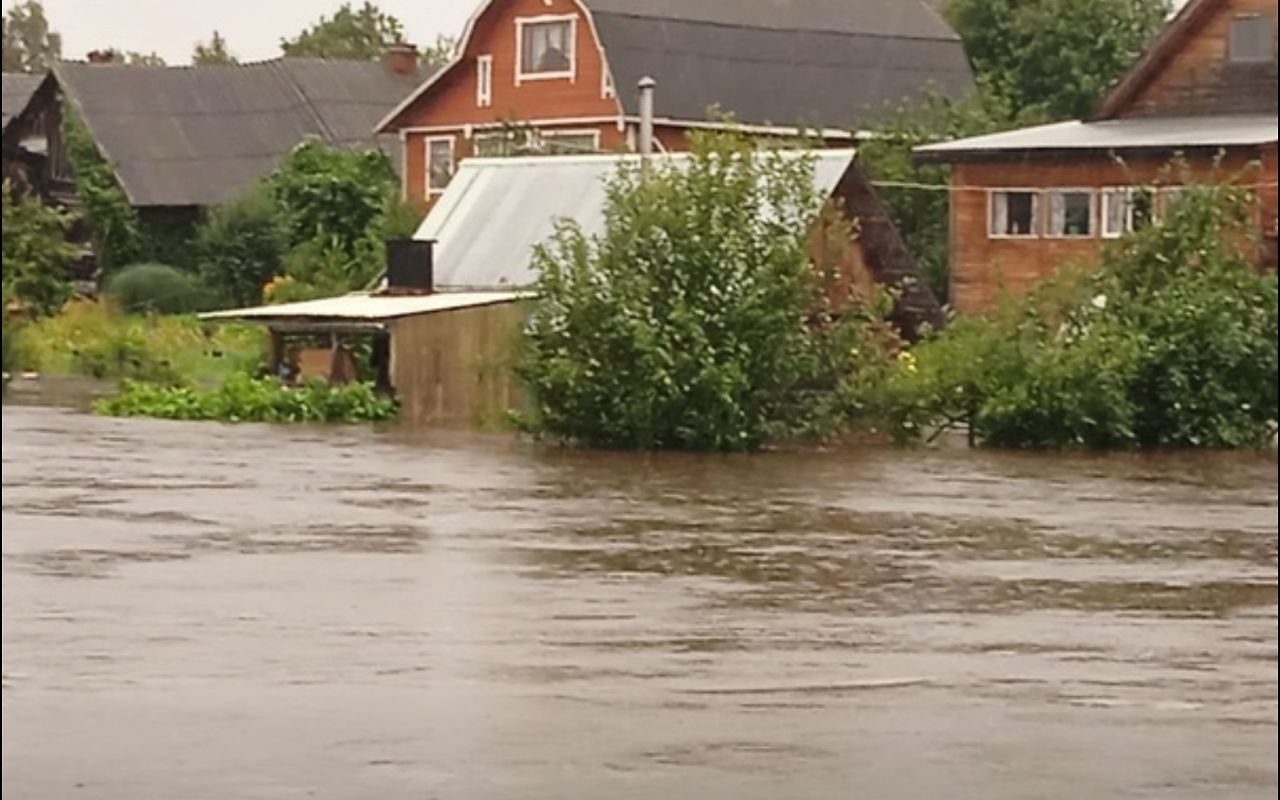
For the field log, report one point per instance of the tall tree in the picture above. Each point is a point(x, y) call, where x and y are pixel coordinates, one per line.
point(1054, 57)
point(214, 51)
point(362, 34)
point(29, 44)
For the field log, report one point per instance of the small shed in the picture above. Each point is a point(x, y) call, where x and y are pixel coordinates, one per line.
point(496, 210)
point(446, 356)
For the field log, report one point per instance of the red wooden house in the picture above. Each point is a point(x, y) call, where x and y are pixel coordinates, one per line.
point(560, 75)
point(1025, 201)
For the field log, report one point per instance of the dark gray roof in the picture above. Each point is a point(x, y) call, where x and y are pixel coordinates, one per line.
point(837, 63)
point(195, 136)
point(18, 87)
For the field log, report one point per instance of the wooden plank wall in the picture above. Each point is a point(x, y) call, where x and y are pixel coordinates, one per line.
point(982, 267)
point(1198, 78)
point(454, 368)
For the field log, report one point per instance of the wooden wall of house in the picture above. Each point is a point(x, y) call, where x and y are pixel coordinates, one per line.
point(983, 267)
point(1198, 78)
point(454, 368)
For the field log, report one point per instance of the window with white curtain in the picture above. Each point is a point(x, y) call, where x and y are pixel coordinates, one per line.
point(546, 47)
point(1014, 213)
point(1070, 213)
point(440, 163)
point(1126, 209)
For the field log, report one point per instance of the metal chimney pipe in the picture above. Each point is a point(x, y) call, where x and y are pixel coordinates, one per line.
point(646, 85)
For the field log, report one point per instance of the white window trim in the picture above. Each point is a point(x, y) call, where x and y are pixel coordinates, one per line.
point(607, 92)
point(1104, 208)
point(1048, 212)
point(453, 156)
point(484, 81)
point(594, 133)
point(571, 73)
point(1037, 212)
point(1232, 57)
point(493, 134)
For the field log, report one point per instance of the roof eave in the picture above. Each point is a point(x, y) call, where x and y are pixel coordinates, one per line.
point(1016, 154)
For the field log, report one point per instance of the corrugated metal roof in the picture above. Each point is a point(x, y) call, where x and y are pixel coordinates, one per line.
point(184, 136)
point(363, 307)
point(1123, 134)
point(496, 210)
point(18, 87)
point(832, 63)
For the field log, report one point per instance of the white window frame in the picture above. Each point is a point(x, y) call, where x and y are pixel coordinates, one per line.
point(484, 81)
point(571, 73)
point(497, 134)
point(1233, 57)
point(1037, 212)
point(607, 92)
point(1108, 194)
point(1048, 212)
point(453, 158)
point(594, 133)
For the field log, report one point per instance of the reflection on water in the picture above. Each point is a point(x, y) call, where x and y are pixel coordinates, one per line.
point(207, 611)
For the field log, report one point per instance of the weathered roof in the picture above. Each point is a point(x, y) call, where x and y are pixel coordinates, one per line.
point(364, 307)
point(496, 210)
point(1146, 133)
point(832, 63)
point(194, 136)
point(18, 88)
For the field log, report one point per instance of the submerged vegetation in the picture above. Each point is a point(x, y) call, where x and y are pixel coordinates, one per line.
point(242, 398)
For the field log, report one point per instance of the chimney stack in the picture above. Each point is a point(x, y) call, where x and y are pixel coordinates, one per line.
point(402, 58)
point(646, 86)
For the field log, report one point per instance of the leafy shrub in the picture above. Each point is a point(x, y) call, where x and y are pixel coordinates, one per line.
point(246, 399)
point(696, 320)
point(241, 245)
point(1172, 342)
point(98, 340)
point(159, 289)
point(329, 193)
point(36, 254)
point(116, 229)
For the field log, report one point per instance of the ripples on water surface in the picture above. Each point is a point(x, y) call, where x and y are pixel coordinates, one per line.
point(197, 611)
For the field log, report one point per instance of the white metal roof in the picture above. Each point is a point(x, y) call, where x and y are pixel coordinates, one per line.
point(1120, 134)
point(497, 209)
point(363, 307)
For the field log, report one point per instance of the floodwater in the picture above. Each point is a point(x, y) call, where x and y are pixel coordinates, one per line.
point(197, 611)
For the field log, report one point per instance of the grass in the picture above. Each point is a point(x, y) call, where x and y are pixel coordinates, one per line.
point(98, 340)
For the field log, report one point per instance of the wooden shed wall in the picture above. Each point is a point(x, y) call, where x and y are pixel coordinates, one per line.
point(454, 368)
point(983, 267)
point(1197, 77)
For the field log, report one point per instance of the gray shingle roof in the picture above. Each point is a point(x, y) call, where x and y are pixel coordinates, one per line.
point(838, 63)
point(195, 136)
point(18, 87)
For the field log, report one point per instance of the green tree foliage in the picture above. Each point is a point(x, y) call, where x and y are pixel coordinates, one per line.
point(441, 52)
point(130, 58)
point(330, 193)
point(1172, 342)
point(240, 246)
point(29, 44)
point(212, 52)
point(696, 320)
point(246, 399)
point(36, 253)
point(158, 289)
point(361, 34)
point(113, 221)
point(1054, 57)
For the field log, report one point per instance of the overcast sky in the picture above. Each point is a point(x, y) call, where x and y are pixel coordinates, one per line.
point(253, 28)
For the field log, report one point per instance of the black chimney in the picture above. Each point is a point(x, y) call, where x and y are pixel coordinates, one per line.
point(410, 266)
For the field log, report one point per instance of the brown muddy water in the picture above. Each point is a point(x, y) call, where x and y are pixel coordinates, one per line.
point(202, 611)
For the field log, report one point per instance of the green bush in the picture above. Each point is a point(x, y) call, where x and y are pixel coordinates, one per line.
point(158, 289)
point(696, 321)
point(246, 399)
point(329, 193)
point(241, 245)
point(36, 254)
point(1172, 342)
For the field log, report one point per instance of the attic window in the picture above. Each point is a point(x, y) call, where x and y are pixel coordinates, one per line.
point(1251, 40)
point(546, 46)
